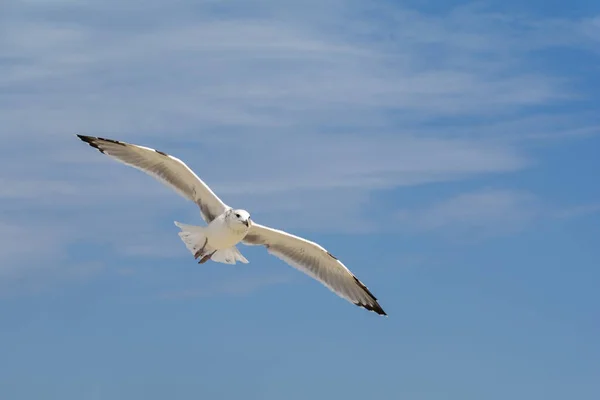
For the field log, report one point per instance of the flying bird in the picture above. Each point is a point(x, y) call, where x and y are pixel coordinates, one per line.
point(226, 226)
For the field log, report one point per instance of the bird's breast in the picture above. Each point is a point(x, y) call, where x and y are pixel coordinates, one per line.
point(221, 236)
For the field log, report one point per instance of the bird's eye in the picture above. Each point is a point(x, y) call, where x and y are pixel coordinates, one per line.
point(237, 215)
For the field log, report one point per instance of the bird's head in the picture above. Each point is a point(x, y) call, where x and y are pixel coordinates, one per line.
point(237, 218)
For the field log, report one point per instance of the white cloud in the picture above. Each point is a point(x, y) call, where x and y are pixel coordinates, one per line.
point(487, 212)
point(238, 287)
point(322, 104)
point(271, 68)
point(476, 214)
point(33, 243)
point(577, 211)
point(33, 257)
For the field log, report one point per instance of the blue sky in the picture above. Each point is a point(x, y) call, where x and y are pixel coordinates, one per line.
point(447, 152)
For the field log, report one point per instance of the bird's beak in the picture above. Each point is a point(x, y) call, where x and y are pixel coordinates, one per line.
point(247, 222)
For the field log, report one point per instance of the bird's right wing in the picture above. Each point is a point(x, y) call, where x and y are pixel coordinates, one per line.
point(167, 169)
point(314, 261)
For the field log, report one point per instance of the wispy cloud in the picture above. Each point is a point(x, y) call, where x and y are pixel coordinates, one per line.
point(484, 213)
point(577, 211)
point(270, 67)
point(239, 287)
point(475, 214)
point(321, 106)
point(30, 246)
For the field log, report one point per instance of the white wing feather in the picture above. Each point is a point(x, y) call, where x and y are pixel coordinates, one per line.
point(314, 261)
point(169, 170)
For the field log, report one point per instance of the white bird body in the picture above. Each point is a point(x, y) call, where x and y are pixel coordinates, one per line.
point(222, 235)
point(227, 227)
point(217, 240)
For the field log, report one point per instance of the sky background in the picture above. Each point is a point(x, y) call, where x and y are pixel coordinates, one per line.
point(446, 152)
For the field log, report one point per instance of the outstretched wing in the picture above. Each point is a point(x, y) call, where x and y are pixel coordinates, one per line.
point(314, 261)
point(167, 169)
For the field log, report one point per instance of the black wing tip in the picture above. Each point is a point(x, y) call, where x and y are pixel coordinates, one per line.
point(87, 139)
point(94, 141)
point(376, 308)
point(91, 140)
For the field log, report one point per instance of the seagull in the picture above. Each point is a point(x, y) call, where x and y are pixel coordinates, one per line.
point(226, 226)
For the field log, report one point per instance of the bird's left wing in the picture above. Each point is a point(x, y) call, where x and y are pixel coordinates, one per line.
point(314, 261)
point(167, 169)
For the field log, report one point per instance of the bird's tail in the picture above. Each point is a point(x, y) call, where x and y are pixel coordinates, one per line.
point(229, 256)
point(194, 238)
